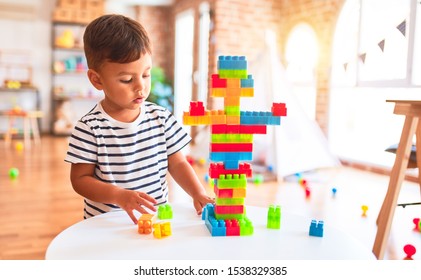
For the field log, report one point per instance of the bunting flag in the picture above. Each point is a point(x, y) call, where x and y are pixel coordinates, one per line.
point(362, 57)
point(381, 45)
point(402, 27)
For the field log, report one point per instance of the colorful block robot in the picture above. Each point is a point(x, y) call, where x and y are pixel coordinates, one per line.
point(231, 144)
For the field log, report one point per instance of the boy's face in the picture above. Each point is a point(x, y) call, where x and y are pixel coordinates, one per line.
point(126, 86)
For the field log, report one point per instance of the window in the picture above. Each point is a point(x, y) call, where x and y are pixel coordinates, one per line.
point(376, 57)
point(301, 55)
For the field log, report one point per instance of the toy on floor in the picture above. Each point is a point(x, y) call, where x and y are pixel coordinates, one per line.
point(417, 224)
point(409, 251)
point(13, 173)
point(231, 143)
point(364, 208)
point(316, 228)
point(19, 146)
point(334, 190)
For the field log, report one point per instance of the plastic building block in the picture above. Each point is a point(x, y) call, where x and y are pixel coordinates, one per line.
point(145, 223)
point(231, 147)
point(229, 201)
point(226, 156)
point(246, 227)
point(229, 181)
point(247, 83)
point(229, 193)
point(217, 169)
point(232, 138)
point(162, 230)
point(279, 109)
point(218, 82)
point(165, 212)
point(230, 209)
point(232, 227)
point(316, 228)
point(274, 217)
point(196, 108)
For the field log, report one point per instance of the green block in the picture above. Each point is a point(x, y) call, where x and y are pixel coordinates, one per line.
point(165, 212)
point(229, 73)
point(236, 181)
point(229, 201)
point(274, 217)
point(232, 138)
point(246, 227)
point(230, 216)
point(232, 110)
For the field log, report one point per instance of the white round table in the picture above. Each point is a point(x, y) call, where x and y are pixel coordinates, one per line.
point(112, 236)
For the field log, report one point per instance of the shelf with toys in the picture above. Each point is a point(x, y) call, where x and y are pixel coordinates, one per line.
point(72, 95)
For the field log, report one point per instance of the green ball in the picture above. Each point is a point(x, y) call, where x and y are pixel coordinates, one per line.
point(13, 173)
point(258, 179)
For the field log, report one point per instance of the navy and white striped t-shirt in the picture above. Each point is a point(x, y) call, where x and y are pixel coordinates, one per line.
point(129, 155)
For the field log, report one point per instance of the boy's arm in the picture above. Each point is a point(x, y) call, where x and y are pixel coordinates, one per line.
point(85, 184)
point(184, 174)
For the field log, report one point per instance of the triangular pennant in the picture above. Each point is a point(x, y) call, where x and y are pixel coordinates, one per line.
point(402, 27)
point(381, 44)
point(345, 66)
point(362, 57)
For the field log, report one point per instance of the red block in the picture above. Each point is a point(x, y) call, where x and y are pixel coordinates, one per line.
point(231, 147)
point(223, 193)
point(216, 169)
point(238, 129)
point(217, 82)
point(232, 227)
point(196, 108)
point(229, 209)
point(279, 109)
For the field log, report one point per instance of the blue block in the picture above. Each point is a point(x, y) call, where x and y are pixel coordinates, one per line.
point(231, 164)
point(316, 228)
point(247, 83)
point(232, 62)
point(230, 156)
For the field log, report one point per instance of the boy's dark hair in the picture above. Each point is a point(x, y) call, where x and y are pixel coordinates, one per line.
point(114, 38)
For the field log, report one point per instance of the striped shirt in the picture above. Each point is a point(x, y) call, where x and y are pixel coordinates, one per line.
point(129, 155)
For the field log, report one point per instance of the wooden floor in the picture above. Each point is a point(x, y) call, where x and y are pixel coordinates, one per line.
point(40, 203)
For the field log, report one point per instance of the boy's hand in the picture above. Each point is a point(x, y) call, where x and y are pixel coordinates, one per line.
point(200, 201)
point(132, 200)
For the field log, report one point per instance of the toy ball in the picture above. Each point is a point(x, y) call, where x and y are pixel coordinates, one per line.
point(202, 161)
point(258, 179)
point(13, 173)
point(19, 146)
